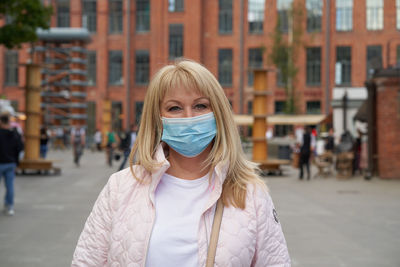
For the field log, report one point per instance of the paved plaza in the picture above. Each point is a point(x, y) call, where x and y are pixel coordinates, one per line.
point(327, 222)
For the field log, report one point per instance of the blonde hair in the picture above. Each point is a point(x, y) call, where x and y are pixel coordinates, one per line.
point(226, 148)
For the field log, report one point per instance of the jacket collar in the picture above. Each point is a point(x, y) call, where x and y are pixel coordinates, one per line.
point(219, 173)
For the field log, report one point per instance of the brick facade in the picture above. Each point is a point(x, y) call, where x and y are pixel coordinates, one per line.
point(202, 41)
point(388, 124)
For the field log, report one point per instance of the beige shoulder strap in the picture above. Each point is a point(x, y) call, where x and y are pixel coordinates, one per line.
point(212, 247)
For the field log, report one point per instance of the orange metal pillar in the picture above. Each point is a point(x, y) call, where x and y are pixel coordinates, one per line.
point(260, 116)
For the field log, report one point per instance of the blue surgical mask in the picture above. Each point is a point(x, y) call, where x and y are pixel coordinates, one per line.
point(189, 136)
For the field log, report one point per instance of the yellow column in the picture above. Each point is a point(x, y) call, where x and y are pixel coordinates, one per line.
point(32, 110)
point(106, 124)
point(260, 116)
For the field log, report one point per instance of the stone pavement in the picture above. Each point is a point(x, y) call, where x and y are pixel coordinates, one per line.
point(327, 222)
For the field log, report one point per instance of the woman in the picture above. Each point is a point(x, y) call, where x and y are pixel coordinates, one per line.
point(188, 155)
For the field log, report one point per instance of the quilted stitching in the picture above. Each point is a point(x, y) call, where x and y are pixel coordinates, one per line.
point(120, 225)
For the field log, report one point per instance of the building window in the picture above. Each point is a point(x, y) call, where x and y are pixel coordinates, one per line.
point(138, 111)
point(142, 67)
point(313, 66)
point(280, 81)
point(314, 15)
point(284, 7)
point(11, 68)
point(374, 14)
point(398, 55)
point(343, 65)
point(398, 14)
point(175, 5)
point(63, 13)
point(115, 67)
point(225, 16)
point(282, 130)
point(374, 59)
point(279, 107)
point(255, 61)
point(115, 16)
point(89, 15)
point(175, 41)
point(344, 15)
point(142, 15)
point(225, 66)
point(255, 15)
point(91, 69)
point(313, 107)
point(250, 107)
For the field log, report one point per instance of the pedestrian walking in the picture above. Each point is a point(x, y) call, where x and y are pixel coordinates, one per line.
point(98, 139)
point(126, 144)
point(44, 139)
point(112, 144)
point(78, 143)
point(191, 181)
point(10, 147)
point(305, 153)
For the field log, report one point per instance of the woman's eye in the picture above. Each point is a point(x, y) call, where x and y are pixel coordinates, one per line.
point(200, 106)
point(174, 108)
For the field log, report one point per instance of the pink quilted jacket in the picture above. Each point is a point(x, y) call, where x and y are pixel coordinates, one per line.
point(118, 230)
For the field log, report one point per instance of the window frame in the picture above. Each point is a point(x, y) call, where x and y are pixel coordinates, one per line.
point(176, 5)
point(92, 67)
point(115, 17)
point(63, 11)
point(225, 19)
point(370, 65)
point(346, 67)
point(225, 67)
point(344, 11)
point(313, 66)
point(374, 15)
point(311, 110)
point(283, 9)
point(114, 68)
point(90, 15)
point(142, 68)
point(11, 70)
point(175, 41)
point(314, 15)
point(253, 62)
point(255, 16)
point(142, 16)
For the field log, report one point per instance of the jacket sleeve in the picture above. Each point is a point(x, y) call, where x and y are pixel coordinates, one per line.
point(271, 249)
point(93, 244)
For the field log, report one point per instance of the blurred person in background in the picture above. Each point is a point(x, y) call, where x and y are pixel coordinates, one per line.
point(78, 138)
point(189, 166)
point(112, 144)
point(98, 139)
point(330, 141)
point(10, 147)
point(126, 144)
point(305, 153)
point(44, 139)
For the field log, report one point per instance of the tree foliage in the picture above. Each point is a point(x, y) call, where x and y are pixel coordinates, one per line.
point(284, 54)
point(23, 17)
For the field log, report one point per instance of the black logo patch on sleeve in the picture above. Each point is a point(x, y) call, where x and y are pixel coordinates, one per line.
point(275, 215)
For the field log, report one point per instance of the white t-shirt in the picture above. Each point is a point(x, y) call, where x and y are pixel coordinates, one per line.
point(179, 204)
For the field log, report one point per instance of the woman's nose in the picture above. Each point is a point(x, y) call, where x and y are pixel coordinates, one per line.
point(188, 112)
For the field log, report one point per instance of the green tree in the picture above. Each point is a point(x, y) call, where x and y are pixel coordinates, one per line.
point(284, 54)
point(23, 17)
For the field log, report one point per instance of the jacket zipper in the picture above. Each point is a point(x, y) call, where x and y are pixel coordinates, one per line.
point(149, 237)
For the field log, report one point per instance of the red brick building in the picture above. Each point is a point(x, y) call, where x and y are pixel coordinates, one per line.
point(131, 40)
